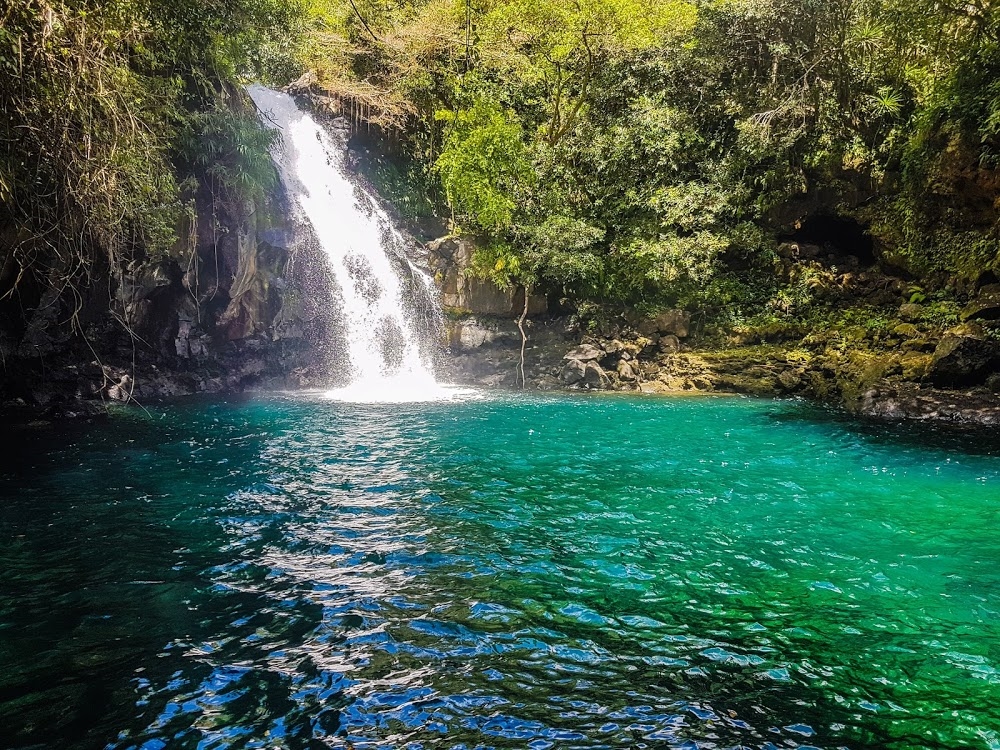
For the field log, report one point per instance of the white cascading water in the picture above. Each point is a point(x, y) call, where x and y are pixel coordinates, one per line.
point(365, 256)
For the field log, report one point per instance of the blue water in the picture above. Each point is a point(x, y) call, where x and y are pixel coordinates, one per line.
point(510, 572)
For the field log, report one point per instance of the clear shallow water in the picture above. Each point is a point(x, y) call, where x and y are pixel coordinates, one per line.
point(540, 572)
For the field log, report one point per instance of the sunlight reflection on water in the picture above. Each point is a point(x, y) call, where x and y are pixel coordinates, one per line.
point(506, 572)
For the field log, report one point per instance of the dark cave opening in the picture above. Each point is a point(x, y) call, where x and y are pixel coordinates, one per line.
point(838, 236)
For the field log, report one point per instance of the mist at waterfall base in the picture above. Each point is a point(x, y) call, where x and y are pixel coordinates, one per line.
point(385, 306)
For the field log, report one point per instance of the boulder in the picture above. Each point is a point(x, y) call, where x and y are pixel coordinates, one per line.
point(303, 83)
point(595, 377)
point(473, 336)
point(667, 322)
point(791, 379)
point(469, 334)
point(919, 345)
point(674, 322)
point(986, 306)
point(585, 353)
point(614, 347)
point(670, 344)
point(626, 371)
point(911, 312)
point(961, 359)
point(913, 365)
point(573, 372)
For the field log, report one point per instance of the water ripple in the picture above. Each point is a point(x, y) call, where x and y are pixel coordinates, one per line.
point(721, 574)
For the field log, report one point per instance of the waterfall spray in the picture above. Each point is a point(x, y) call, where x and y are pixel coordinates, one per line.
point(388, 342)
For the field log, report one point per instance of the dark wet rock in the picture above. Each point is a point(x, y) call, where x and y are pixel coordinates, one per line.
point(986, 306)
point(911, 402)
point(223, 311)
point(963, 358)
point(71, 409)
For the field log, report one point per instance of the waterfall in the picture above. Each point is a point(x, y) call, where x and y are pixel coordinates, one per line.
point(377, 287)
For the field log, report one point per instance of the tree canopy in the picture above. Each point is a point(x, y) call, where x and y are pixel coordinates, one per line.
point(629, 150)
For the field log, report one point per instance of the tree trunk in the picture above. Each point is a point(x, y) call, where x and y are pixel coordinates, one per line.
point(524, 336)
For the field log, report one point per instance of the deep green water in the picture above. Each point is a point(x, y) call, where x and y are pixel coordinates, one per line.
point(512, 573)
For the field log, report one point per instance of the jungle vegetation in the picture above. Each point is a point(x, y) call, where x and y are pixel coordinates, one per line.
point(114, 114)
point(637, 151)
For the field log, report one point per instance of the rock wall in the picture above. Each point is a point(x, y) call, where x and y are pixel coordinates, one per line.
point(229, 308)
point(463, 293)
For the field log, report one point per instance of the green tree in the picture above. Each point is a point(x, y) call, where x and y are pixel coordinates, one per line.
point(483, 164)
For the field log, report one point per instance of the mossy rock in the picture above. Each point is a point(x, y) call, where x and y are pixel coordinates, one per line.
point(919, 345)
point(984, 307)
point(915, 365)
point(861, 369)
point(818, 384)
point(755, 386)
point(855, 333)
point(455, 313)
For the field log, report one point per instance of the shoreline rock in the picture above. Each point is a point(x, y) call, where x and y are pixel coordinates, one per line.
point(895, 383)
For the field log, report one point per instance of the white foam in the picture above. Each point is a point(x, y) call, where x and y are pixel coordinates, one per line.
point(401, 391)
point(362, 247)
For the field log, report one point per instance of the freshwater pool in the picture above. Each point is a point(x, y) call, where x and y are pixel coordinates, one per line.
point(498, 572)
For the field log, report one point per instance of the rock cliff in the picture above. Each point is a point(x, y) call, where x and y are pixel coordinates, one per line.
point(230, 307)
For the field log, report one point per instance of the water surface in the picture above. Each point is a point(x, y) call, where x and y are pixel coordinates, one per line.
point(528, 572)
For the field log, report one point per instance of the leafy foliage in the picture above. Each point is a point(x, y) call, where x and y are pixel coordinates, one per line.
point(483, 166)
point(110, 107)
point(643, 152)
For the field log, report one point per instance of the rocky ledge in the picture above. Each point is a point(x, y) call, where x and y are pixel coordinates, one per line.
point(910, 401)
point(907, 372)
